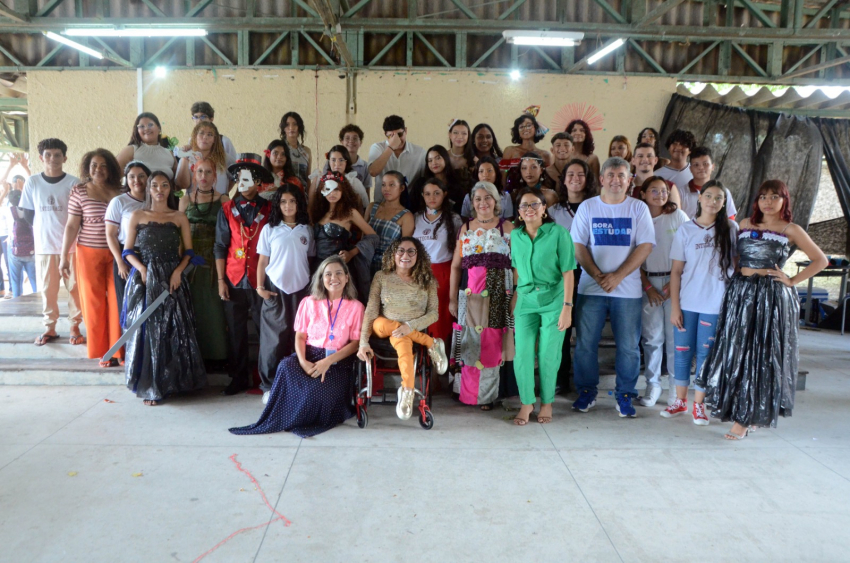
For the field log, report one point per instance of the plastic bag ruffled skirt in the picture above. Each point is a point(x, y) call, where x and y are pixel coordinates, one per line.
point(751, 372)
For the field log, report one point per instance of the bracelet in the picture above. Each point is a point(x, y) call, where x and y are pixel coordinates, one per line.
point(648, 287)
point(567, 304)
point(220, 279)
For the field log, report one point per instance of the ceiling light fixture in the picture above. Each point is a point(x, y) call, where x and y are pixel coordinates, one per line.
point(515, 75)
point(543, 38)
point(74, 44)
point(612, 46)
point(135, 32)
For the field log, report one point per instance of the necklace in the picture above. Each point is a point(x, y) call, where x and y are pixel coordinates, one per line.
point(483, 222)
point(452, 150)
point(204, 192)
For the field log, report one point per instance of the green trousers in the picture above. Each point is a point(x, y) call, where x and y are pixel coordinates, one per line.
point(536, 317)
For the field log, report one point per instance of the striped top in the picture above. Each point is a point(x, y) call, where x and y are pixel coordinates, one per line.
point(93, 226)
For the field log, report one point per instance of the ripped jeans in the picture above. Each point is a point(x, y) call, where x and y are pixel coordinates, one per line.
point(697, 337)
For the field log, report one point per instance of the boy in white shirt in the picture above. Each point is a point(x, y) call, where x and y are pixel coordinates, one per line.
point(45, 206)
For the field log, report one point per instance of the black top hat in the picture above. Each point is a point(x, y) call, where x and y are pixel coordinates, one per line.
point(252, 162)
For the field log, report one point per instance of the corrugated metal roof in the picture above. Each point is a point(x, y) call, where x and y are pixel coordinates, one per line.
point(765, 99)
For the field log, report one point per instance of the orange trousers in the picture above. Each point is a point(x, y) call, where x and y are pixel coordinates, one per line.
point(383, 328)
point(98, 300)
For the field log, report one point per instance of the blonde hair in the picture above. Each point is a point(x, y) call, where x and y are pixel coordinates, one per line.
point(217, 155)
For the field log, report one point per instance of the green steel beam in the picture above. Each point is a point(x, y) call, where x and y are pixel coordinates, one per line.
point(355, 8)
point(217, 51)
point(161, 50)
point(750, 61)
point(112, 55)
point(610, 10)
point(488, 52)
point(13, 15)
point(656, 13)
point(386, 49)
point(319, 49)
point(431, 48)
point(48, 8)
point(154, 8)
point(513, 8)
point(646, 56)
point(10, 56)
point(549, 61)
point(466, 11)
point(698, 58)
point(821, 13)
point(304, 6)
point(760, 16)
point(271, 48)
point(50, 55)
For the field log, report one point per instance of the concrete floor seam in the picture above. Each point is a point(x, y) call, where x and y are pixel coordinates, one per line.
point(804, 452)
point(277, 502)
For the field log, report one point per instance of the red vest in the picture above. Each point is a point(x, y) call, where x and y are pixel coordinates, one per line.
point(242, 255)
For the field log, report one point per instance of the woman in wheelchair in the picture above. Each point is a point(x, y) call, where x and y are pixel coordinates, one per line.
point(403, 302)
point(311, 392)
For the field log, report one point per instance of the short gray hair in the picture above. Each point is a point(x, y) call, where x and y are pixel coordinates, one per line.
point(317, 286)
point(493, 191)
point(615, 162)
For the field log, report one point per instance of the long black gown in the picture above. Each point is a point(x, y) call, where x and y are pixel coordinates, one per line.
point(163, 356)
point(331, 238)
point(751, 372)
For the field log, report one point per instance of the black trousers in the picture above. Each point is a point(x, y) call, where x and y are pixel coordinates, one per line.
point(277, 333)
point(120, 284)
point(244, 304)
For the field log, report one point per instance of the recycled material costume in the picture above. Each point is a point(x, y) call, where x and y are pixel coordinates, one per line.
point(331, 238)
point(162, 357)
point(483, 334)
point(751, 373)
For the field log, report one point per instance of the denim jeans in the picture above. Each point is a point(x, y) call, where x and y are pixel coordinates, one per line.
point(696, 338)
point(17, 267)
point(4, 254)
point(591, 312)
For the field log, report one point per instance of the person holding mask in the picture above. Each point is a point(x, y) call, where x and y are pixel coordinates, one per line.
point(543, 261)
point(117, 218)
point(86, 226)
point(163, 358)
point(339, 161)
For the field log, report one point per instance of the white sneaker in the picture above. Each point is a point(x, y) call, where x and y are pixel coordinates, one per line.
point(438, 356)
point(651, 395)
point(266, 397)
point(404, 406)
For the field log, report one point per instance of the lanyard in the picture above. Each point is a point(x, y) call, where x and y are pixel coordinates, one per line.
point(333, 322)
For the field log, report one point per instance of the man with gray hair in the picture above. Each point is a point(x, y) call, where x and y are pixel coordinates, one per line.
point(613, 235)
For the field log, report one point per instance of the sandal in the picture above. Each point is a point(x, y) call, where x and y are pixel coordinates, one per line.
point(76, 338)
point(152, 402)
point(544, 419)
point(110, 363)
point(486, 407)
point(519, 421)
point(732, 436)
point(46, 339)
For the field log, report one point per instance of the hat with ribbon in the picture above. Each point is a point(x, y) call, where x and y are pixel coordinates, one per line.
point(252, 162)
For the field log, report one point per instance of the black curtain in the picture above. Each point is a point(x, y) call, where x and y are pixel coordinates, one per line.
point(836, 149)
point(752, 146)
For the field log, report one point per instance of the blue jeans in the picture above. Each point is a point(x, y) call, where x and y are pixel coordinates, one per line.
point(696, 338)
point(591, 312)
point(17, 267)
point(4, 254)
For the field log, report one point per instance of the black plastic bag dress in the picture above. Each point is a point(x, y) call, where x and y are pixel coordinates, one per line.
point(331, 238)
point(751, 372)
point(162, 357)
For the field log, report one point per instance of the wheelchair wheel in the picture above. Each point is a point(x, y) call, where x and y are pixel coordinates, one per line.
point(362, 419)
point(428, 422)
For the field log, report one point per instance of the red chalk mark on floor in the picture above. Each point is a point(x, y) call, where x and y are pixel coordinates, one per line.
point(278, 515)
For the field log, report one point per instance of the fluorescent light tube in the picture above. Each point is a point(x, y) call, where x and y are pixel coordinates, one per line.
point(135, 32)
point(74, 44)
point(605, 50)
point(543, 38)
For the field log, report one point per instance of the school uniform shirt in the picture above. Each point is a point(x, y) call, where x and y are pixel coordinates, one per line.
point(563, 214)
point(541, 263)
point(118, 212)
point(288, 250)
point(361, 168)
point(435, 241)
point(678, 177)
point(314, 320)
point(666, 226)
point(703, 283)
point(611, 232)
point(411, 163)
point(48, 198)
point(689, 194)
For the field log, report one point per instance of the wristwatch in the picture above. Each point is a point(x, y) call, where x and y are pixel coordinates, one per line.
point(567, 304)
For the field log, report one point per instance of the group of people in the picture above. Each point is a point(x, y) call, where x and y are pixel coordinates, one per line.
point(486, 258)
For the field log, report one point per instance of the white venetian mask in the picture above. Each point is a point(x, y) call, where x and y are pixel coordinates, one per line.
point(246, 180)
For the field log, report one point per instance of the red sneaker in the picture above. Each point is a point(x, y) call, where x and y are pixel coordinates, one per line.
point(699, 414)
point(678, 407)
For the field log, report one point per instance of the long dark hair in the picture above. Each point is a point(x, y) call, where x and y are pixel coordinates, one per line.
point(668, 207)
point(454, 185)
point(654, 132)
point(171, 202)
point(288, 170)
point(722, 242)
point(468, 151)
point(515, 182)
point(495, 151)
point(298, 121)
point(347, 203)
point(779, 188)
point(518, 222)
point(345, 154)
point(446, 216)
point(590, 188)
point(136, 139)
point(588, 146)
point(301, 215)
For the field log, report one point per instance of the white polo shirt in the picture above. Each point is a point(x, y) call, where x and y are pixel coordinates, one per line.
point(435, 243)
point(690, 199)
point(118, 213)
point(288, 250)
point(678, 177)
point(411, 163)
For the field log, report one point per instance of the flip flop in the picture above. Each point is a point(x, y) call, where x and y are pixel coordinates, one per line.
point(46, 339)
point(77, 339)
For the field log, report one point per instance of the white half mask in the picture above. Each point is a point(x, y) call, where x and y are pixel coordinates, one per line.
point(330, 186)
point(246, 180)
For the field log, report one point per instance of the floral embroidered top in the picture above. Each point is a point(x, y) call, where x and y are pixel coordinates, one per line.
point(490, 248)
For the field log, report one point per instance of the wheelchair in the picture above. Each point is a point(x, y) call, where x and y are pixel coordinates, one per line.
point(371, 381)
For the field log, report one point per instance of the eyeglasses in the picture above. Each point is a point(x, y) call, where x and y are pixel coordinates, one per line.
point(149, 126)
point(656, 192)
point(200, 117)
point(534, 206)
point(526, 126)
point(401, 252)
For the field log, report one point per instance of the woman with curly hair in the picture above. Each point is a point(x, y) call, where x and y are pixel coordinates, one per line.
point(334, 216)
point(583, 145)
point(402, 304)
point(147, 145)
point(292, 131)
point(206, 144)
point(87, 227)
point(524, 134)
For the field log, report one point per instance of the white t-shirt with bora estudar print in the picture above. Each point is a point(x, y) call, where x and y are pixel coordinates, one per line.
point(611, 232)
point(703, 283)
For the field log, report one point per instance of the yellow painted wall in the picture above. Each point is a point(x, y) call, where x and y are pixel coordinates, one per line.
point(88, 109)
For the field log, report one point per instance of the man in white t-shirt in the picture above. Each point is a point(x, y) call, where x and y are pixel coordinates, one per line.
point(702, 166)
point(613, 235)
point(396, 153)
point(679, 144)
point(45, 206)
point(644, 160)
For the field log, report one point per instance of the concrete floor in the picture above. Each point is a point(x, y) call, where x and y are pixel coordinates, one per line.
point(83, 478)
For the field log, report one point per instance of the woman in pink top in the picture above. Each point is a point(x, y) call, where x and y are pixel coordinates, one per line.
point(311, 392)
